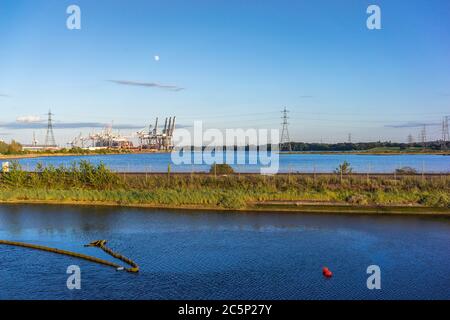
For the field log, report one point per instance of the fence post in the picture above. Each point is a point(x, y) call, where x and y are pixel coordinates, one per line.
point(314, 173)
point(289, 174)
point(423, 170)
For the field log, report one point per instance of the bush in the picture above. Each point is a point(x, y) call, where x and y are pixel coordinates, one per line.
point(406, 170)
point(221, 169)
point(231, 200)
point(357, 199)
point(12, 148)
point(438, 199)
point(16, 176)
point(344, 168)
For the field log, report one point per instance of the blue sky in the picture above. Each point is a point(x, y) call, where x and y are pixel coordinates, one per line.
point(237, 64)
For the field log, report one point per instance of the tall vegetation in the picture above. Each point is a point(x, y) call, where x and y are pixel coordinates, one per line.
point(10, 148)
point(84, 181)
point(344, 168)
point(79, 175)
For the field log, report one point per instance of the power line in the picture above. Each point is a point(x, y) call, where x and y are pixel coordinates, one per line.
point(50, 137)
point(423, 136)
point(445, 132)
point(285, 131)
point(410, 139)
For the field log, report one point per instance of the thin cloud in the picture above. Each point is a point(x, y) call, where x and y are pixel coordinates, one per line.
point(4, 95)
point(306, 97)
point(29, 119)
point(64, 125)
point(411, 125)
point(147, 84)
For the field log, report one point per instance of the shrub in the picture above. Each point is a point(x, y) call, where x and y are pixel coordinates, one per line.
point(438, 199)
point(357, 199)
point(344, 168)
point(16, 176)
point(231, 200)
point(12, 148)
point(221, 169)
point(406, 170)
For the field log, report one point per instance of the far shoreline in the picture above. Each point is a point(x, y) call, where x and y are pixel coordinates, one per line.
point(56, 154)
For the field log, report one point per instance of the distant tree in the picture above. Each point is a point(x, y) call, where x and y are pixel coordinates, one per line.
point(3, 147)
point(406, 170)
point(344, 168)
point(221, 169)
point(12, 148)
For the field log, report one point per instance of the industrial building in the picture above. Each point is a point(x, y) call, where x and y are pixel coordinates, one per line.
point(103, 140)
point(156, 140)
point(153, 139)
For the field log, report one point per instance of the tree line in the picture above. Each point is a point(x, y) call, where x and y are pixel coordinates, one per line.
point(10, 148)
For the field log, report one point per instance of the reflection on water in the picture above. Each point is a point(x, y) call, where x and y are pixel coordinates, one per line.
point(223, 255)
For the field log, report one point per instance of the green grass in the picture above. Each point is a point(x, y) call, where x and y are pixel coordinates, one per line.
point(84, 182)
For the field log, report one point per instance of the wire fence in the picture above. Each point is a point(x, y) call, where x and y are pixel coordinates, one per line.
point(369, 168)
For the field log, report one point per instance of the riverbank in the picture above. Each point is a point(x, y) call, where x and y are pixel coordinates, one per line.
point(103, 152)
point(88, 184)
point(293, 207)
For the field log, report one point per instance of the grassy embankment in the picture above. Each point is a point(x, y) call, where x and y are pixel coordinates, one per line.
point(84, 183)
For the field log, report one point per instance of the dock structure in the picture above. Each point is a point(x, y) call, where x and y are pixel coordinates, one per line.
point(155, 139)
point(108, 139)
point(151, 138)
point(105, 139)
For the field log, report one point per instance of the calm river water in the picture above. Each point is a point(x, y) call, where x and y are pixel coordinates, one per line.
point(206, 255)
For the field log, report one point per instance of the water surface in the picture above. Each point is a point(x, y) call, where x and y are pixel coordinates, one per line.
point(158, 162)
point(207, 255)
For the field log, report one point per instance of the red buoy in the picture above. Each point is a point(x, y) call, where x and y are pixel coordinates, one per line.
point(326, 272)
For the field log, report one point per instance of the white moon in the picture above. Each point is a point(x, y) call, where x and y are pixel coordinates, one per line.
point(156, 58)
